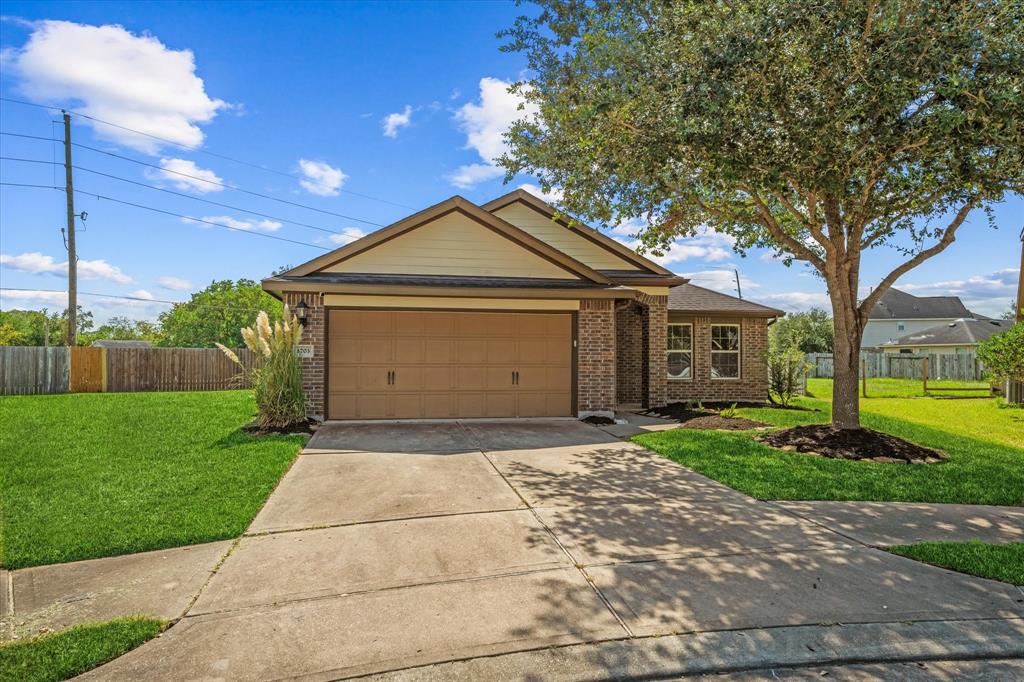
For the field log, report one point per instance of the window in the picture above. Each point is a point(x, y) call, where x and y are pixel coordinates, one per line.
point(907, 350)
point(901, 327)
point(680, 351)
point(725, 351)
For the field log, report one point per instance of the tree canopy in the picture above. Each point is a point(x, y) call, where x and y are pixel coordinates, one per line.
point(818, 130)
point(808, 332)
point(217, 314)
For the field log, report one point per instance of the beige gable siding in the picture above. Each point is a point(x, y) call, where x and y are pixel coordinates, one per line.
point(454, 244)
point(562, 238)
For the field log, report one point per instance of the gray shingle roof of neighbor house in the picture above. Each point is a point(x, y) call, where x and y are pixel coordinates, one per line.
point(121, 343)
point(690, 298)
point(964, 331)
point(899, 305)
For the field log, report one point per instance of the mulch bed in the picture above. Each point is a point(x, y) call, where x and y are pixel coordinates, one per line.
point(853, 444)
point(704, 419)
point(596, 420)
point(303, 428)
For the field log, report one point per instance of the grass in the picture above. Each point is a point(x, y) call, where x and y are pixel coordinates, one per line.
point(70, 652)
point(983, 559)
point(884, 387)
point(985, 444)
point(93, 475)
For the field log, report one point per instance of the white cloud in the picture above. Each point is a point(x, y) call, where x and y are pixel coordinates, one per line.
point(142, 293)
point(721, 280)
point(17, 299)
point(474, 173)
point(392, 122)
point(706, 245)
point(38, 263)
point(174, 283)
point(795, 301)
point(321, 178)
point(552, 197)
point(485, 124)
point(186, 175)
point(347, 236)
point(228, 221)
point(989, 294)
point(115, 75)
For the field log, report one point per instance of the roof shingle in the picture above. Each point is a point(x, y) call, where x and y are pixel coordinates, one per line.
point(690, 298)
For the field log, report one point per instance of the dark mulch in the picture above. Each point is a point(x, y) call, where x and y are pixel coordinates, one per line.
point(859, 444)
point(598, 420)
point(716, 405)
point(704, 419)
point(303, 428)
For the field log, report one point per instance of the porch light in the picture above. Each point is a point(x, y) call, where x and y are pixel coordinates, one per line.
point(301, 310)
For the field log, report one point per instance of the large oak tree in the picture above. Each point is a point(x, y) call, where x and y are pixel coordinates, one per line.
point(822, 129)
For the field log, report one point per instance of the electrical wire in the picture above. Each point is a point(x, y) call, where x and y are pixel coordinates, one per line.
point(179, 194)
point(195, 150)
point(133, 298)
point(170, 213)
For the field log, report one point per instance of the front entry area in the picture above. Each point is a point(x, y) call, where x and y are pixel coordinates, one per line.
point(412, 364)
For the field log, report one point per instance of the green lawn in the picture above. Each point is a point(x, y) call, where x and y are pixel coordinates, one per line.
point(93, 475)
point(985, 444)
point(71, 652)
point(884, 387)
point(998, 562)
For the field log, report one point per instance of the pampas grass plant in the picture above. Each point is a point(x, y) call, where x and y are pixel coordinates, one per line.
point(277, 377)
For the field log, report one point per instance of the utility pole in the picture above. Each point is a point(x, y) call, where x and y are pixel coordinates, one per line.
point(69, 191)
point(739, 292)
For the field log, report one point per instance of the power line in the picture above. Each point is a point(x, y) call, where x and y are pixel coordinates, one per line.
point(196, 150)
point(133, 298)
point(171, 213)
point(180, 194)
point(226, 186)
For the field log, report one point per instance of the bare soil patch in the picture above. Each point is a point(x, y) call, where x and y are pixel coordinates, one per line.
point(691, 418)
point(854, 444)
point(597, 420)
point(304, 428)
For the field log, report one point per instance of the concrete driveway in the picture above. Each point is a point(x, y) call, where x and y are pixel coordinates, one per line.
point(555, 551)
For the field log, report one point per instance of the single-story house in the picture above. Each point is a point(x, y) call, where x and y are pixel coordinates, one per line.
point(898, 313)
point(507, 309)
point(958, 336)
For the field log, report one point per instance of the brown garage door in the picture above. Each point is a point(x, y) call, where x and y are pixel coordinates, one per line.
point(434, 364)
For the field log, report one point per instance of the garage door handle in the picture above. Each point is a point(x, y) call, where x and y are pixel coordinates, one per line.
point(391, 377)
point(515, 377)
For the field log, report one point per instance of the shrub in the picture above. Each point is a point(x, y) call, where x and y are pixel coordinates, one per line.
point(786, 368)
point(1003, 354)
point(729, 412)
point(277, 377)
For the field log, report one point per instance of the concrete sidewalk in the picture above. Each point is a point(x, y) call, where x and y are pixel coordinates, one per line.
point(403, 547)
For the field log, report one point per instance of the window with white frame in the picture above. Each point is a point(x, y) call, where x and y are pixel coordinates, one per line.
point(680, 351)
point(725, 351)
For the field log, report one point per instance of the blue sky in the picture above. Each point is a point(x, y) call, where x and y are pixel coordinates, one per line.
point(403, 102)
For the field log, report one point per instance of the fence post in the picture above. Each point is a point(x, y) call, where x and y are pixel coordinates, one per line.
point(863, 378)
point(925, 371)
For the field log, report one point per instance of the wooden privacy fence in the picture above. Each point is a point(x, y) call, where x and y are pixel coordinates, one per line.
point(954, 366)
point(26, 370)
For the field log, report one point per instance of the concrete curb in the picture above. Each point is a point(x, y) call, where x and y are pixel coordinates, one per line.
point(740, 650)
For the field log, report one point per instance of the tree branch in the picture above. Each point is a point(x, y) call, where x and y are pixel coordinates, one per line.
point(948, 237)
point(776, 231)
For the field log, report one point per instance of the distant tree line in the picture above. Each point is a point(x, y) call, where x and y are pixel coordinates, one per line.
point(214, 315)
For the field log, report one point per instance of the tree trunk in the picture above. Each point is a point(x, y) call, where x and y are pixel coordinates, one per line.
point(845, 359)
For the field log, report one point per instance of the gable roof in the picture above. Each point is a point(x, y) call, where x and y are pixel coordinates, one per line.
point(589, 233)
point(899, 305)
point(690, 298)
point(428, 215)
point(964, 331)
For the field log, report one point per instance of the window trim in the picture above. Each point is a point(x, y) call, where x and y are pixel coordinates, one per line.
point(738, 352)
point(669, 351)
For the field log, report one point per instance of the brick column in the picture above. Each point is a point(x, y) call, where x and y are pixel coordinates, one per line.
point(312, 368)
point(656, 328)
point(595, 357)
point(630, 354)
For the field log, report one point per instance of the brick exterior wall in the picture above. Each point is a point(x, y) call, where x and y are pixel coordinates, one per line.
point(657, 339)
point(753, 382)
point(630, 353)
point(595, 353)
point(313, 331)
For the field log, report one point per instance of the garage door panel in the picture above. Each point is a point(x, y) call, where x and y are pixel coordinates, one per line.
point(448, 364)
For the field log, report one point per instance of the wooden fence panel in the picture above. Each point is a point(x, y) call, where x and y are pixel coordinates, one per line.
point(953, 366)
point(26, 370)
point(87, 368)
point(174, 369)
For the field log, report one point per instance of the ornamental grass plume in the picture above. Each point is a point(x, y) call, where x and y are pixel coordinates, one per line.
point(276, 378)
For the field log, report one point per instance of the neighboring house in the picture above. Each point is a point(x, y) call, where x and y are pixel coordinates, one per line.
point(507, 310)
point(958, 336)
point(899, 313)
point(121, 343)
